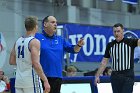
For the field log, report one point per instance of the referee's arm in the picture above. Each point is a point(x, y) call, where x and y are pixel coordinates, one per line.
point(101, 69)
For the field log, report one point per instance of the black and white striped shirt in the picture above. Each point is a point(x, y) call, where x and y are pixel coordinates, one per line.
point(122, 53)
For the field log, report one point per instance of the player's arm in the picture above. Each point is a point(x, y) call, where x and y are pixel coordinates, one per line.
point(35, 57)
point(79, 45)
point(35, 49)
point(139, 42)
point(12, 60)
point(101, 69)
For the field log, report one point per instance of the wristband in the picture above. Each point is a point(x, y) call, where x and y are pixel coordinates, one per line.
point(79, 45)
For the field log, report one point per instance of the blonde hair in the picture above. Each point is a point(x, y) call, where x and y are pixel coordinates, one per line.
point(31, 22)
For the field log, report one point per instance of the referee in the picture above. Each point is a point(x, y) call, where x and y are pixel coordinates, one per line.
point(121, 51)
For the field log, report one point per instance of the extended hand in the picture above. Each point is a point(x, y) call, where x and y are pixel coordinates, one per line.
point(81, 42)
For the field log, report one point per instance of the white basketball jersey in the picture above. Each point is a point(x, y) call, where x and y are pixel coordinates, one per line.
point(25, 74)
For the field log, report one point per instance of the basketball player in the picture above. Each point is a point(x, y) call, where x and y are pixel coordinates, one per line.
point(25, 54)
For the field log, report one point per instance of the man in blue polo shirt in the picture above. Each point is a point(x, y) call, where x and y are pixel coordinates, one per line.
point(52, 52)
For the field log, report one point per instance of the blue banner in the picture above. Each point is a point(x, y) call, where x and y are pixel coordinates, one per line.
point(131, 1)
point(95, 37)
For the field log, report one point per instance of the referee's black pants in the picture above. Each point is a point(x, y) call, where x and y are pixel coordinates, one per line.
point(122, 81)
